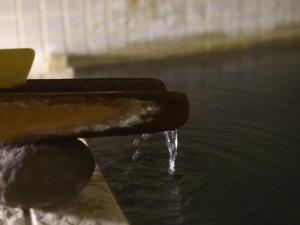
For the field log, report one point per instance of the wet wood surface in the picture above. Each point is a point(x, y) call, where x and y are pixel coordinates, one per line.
point(36, 112)
point(92, 85)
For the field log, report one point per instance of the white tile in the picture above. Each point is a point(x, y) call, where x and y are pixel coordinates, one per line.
point(29, 7)
point(52, 7)
point(76, 24)
point(75, 5)
point(6, 8)
point(77, 44)
point(54, 26)
point(32, 33)
point(9, 35)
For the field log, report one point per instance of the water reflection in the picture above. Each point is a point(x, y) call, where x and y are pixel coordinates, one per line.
point(239, 157)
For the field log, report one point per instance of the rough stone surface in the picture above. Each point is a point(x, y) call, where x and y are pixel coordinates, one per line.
point(43, 174)
point(93, 206)
point(13, 216)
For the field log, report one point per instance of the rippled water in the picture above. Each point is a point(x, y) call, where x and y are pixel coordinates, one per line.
point(239, 155)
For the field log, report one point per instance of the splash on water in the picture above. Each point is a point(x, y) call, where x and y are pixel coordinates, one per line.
point(137, 142)
point(172, 144)
point(171, 138)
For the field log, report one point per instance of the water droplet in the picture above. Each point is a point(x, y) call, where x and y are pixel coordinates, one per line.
point(171, 138)
point(138, 142)
point(136, 154)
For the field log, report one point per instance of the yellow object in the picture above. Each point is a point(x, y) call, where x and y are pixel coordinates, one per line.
point(15, 65)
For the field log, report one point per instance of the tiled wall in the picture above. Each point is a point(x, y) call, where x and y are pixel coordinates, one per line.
point(100, 26)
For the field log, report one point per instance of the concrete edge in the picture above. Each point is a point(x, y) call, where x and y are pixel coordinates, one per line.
point(203, 44)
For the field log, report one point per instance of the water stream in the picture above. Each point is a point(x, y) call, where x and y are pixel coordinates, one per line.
point(171, 138)
point(172, 144)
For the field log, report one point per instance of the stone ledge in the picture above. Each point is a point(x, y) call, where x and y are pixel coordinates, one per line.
point(195, 44)
point(94, 205)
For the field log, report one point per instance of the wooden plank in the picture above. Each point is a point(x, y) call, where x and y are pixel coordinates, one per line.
point(94, 205)
point(33, 117)
point(91, 85)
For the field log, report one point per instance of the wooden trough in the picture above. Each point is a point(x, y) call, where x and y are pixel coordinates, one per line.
point(47, 109)
point(62, 109)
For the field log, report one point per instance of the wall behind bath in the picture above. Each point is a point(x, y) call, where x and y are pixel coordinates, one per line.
point(102, 27)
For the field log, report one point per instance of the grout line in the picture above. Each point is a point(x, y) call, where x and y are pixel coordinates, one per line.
point(106, 31)
point(87, 24)
point(19, 19)
point(43, 23)
point(64, 21)
point(127, 23)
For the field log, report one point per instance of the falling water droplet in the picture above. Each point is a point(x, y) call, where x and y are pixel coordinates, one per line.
point(171, 138)
point(172, 144)
point(136, 154)
point(138, 142)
